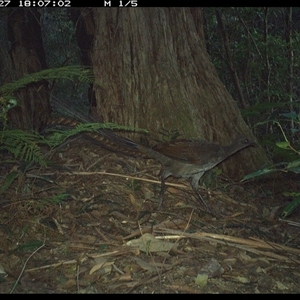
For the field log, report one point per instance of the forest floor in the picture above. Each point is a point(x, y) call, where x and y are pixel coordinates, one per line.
point(90, 224)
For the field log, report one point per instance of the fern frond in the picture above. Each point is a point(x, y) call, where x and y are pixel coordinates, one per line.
point(68, 72)
point(59, 136)
point(23, 145)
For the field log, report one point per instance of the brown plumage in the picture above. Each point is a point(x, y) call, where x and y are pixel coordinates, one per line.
point(190, 159)
point(182, 158)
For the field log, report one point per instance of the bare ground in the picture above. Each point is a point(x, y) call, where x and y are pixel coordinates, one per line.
point(90, 225)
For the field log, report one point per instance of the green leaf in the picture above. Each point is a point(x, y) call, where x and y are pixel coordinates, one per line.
point(284, 145)
point(290, 115)
point(293, 164)
point(259, 173)
point(295, 170)
point(290, 207)
point(8, 181)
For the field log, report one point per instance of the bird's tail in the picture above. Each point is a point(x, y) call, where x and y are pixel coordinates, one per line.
point(105, 138)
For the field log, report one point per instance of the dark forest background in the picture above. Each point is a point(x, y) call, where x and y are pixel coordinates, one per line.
point(254, 50)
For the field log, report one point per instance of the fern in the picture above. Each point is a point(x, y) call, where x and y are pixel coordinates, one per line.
point(59, 136)
point(69, 72)
point(26, 146)
point(23, 145)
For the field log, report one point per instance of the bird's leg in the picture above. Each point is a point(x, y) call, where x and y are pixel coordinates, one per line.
point(195, 184)
point(201, 199)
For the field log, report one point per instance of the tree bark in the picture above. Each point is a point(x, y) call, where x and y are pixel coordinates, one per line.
point(153, 72)
point(24, 54)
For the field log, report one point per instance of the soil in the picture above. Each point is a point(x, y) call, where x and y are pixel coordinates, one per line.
point(88, 223)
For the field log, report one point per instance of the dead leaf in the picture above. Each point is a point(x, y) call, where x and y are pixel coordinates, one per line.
point(148, 243)
point(103, 265)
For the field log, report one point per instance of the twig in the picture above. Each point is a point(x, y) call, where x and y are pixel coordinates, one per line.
point(23, 269)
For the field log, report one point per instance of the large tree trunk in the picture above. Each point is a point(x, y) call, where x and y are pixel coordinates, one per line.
point(85, 32)
point(153, 72)
point(24, 54)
